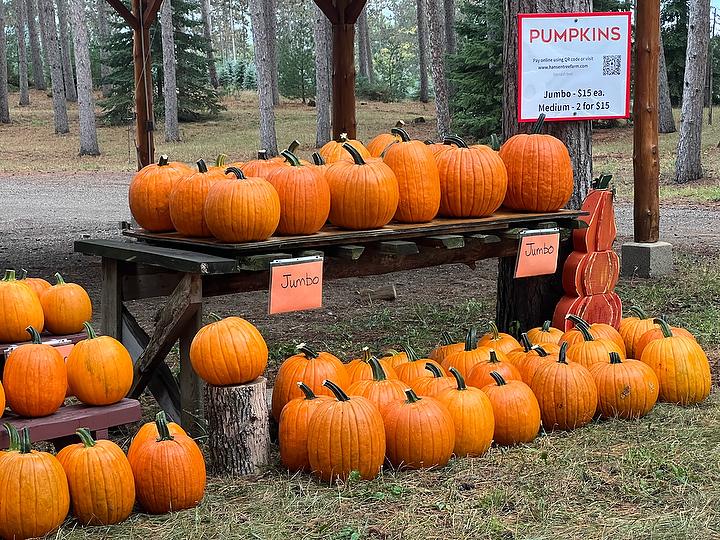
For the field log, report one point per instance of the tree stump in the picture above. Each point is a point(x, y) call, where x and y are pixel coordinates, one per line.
point(238, 427)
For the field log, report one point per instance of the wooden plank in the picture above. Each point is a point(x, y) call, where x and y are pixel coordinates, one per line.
point(512, 234)
point(175, 259)
point(352, 11)
point(125, 13)
point(258, 263)
point(111, 299)
point(330, 11)
point(150, 285)
point(191, 385)
point(398, 248)
point(309, 253)
point(446, 241)
point(151, 12)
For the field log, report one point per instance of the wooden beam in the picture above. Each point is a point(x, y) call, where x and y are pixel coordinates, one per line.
point(329, 9)
point(111, 299)
point(353, 10)
point(125, 13)
point(343, 81)
point(144, 121)
point(151, 12)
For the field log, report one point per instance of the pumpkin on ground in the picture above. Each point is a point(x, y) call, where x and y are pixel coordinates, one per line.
point(657, 333)
point(448, 347)
point(335, 151)
point(414, 368)
point(633, 327)
point(149, 430)
point(34, 492)
point(626, 388)
point(515, 409)
point(99, 369)
point(432, 386)
point(66, 307)
point(466, 360)
point(500, 341)
point(590, 350)
point(35, 378)
point(187, 201)
point(539, 171)
point(379, 390)
point(419, 431)
point(102, 486)
point(228, 351)
point(479, 375)
point(39, 285)
point(345, 434)
point(149, 193)
point(545, 334)
point(361, 368)
point(19, 308)
point(528, 364)
point(293, 429)
point(597, 330)
point(169, 471)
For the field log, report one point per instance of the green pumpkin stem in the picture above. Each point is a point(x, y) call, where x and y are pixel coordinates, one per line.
point(336, 390)
point(13, 437)
point(22, 275)
point(399, 132)
point(291, 158)
point(293, 146)
point(382, 155)
point(471, 339)
point(202, 168)
point(577, 321)
point(34, 335)
point(639, 312)
point(411, 354)
point(85, 437)
point(220, 160)
point(59, 278)
point(214, 317)
point(378, 373)
point(237, 172)
point(495, 142)
point(454, 139)
point(318, 159)
point(563, 351)
point(459, 378)
point(525, 342)
point(546, 326)
point(447, 338)
point(493, 357)
point(25, 442)
point(307, 350)
point(428, 142)
point(538, 124)
point(162, 427)
point(89, 330)
point(585, 331)
point(366, 355)
point(664, 327)
point(262, 155)
point(9, 275)
point(309, 394)
point(542, 353)
point(412, 397)
point(357, 158)
point(495, 331)
point(615, 358)
point(434, 369)
point(498, 378)
point(163, 161)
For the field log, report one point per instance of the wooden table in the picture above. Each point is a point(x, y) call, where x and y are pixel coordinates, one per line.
point(186, 270)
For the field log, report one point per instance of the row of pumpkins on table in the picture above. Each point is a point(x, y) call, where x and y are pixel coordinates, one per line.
point(353, 186)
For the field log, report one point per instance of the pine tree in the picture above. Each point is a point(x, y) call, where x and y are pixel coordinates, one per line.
point(296, 54)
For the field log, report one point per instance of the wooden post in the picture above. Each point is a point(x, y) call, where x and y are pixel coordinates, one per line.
point(144, 121)
point(646, 163)
point(111, 299)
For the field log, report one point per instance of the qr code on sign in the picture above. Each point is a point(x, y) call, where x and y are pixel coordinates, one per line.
point(611, 64)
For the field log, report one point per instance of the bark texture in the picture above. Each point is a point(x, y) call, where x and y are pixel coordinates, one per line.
point(86, 101)
point(67, 67)
point(205, 9)
point(22, 51)
point(50, 38)
point(450, 34)
point(238, 427)
point(666, 120)
point(322, 34)
point(102, 41)
point(422, 50)
point(437, 51)
point(172, 129)
point(268, 138)
point(688, 166)
point(4, 98)
point(362, 29)
point(35, 50)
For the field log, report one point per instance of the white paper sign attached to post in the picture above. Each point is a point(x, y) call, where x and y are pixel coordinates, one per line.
point(574, 66)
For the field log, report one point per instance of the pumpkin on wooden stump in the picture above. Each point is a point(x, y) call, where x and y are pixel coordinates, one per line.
point(657, 333)
point(228, 351)
point(66, 307)
point(589, 351)
point(149, 193)
point(539, 171)
point(345, 434)
point(597, 331)
point(681, 367)
point(19, 308)
point(102, 486)
point(361, 368)
point(310, 367)
point(149, 430)
point(99, 369)
point(633, 327)
point(243, 209)
point(169, 471)
point(479, 375)
point(34, 492)
point(419, 431)
point(500, 341)
point(626, 388)
point(293, 429)
point(364, 192)
point(515, 409)
point(380, 142)
point(449, 346)
point(545, 334)
point(35, 378)
point(187, 201)
point(414, 368)
point(260, 167)
point(566, 393)
point(432, 386)
point(379, 390)
point(335, 151)
point(38, 285)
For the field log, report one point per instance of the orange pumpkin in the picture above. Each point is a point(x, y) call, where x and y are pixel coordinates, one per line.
point(414, 368)
point(19, 308)
point(500, 341)
point(626, 388)
point(466, 359)
point(527, 366)
point(545, 334)
point(378, 145)
point(361, 368)
point(260, 167)
point(379, 390)
point(515, 409)
point(479, 375)
point(38, 285)
point(149, 430)
point(66, 307)
point(449, 346)
point(632, 328)
point(187, 201)
point(335, 151)
point(432, 386)
point(591, 350)
point(597, 330)
point(657, 333)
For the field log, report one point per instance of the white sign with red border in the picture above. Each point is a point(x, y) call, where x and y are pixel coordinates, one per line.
point(574, 66)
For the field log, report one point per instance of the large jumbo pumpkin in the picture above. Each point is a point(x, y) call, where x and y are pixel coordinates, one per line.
point(187, 201)
point(540, 175)
point(19, 308)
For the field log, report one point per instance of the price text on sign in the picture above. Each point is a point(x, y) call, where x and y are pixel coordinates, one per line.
point(537, 253)
point(296, 284)
point(574, 66)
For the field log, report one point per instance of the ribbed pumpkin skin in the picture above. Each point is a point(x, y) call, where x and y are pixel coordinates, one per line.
point(66, 307)
point(473, 181)
point(362, 196)
point(242, 210)
point(528, 365)
point(149, 431)
point(432, 386)
point(149, 194)
point(228, 351)
point(628, 389)
point(420, 434)
point(473, 419)
point(187, 203)
point(38, 285)
point(293, 431)
point(344, 436)
point(516, 412)
point(99, 370)
point(587, 353)
point(598, 331)
point(260, 168)
point(500, 342)
point(19, 308)
point(631, 330)
point(566, 394)
point(465, 361)
point(418, 179)
point(102, 486)
point(34, 494)
point(540, 336)
point(540, 175)
point(169, 475)
point(656, 333)
point(35, 380)
point(407, 372)
point(304, 198)
point(379, 393)
point(378, 145)
point(333, 151)
point(359, 370)
point(479, 375)
point(440, 353)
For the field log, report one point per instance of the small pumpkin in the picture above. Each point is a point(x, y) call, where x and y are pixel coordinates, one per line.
point(597, 330)
point(432, 386)
point(19, 308)
point(66, 307)
point(466, 359)
point(187, 201)
point(545, 334)
point(379, 390)
point(38, 285)
point(149, 430)
point(260, 167)
point(657, 333)
point(626, 388)
point(335, 151)
point(591, 350)
point(408, 371)
point(528, 365)
point(361, 368)
point(633, 327)
point(515, 409)
point(500, 341)
point(448, 347)
point(479, 375)
point(378, 145)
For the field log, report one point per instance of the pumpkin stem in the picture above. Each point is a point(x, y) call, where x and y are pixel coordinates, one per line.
point(22, 275)
point(498, 378)
point(459, 378)
point(318, 159)
point(546, 326)
point(262, 154)
point(471, 339)
point(412, 397)
point(447, 338)
point(399, 132)
point(615, 358)
point(399, 124)
point(162, 427)
point(540, 351)
point(428, 142)
point(335, 389)
point(9, 275)
point(664, 327)
point(220, 160)
point(561, 354)
point(291, 158)
point(25, 443)
point(293, 146)
point(454, 139)
point(411, 354)
point(304, 348)
point(525, 342)
point(34, 335)
point(577, 321)
point(85, 437)
point(585, 331)
point(640, 312)
point(378, 372)
point(214, 317)
point(495, 142)
point(202, 168)
point(89, 330)
point(538, 124)
point(382, 155)
point(495, 331)
point(59, 278)
point(163, 161)
point(13, 437)
point(432, 368)
point(343, 138)
point(357, 158)
point(493, 357)
point(306, 390)
point(366, 356)
point(237, 172)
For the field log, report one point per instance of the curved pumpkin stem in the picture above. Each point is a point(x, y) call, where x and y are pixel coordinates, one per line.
point(525, 342)
point(162, 427)
point(428, 142)
point(459, 378)
point(471, 339)
point(493, 357)
point(454, 139)
point(412, 397)
point(447, 338)
point(22, 275)
point(495, 331)
point(432, 368)
point(399, 124)
point(411, 354)
point(59, 278)
point(399, 132)
point(34, 335)
point(538, 124)
point(585, 331)
point(13, 437)
point(562, 354)
point(25, 443)
point(89, 330)
point(366, 355)
point(202, 168)
point(396, 141)
point(335, 389)
point(357, 158)
point(318, 159)
point(305, 349)
point(237, 172)
point(540, 351)
point(615, 358)
point(291, 158)
point(639, 312)
point(293, 146)
point(163, 161)
point(214, 317)
point(577, 321)
point(9, 275)
point(220, 160)
point(546, 326)
point(85, 437)
point(498, 378)
point(309, 394)
point(664, 327)
point(378, 373)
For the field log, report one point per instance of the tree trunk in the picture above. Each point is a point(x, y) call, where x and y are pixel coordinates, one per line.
point(102, 40)
point(172, 129)
point(362, 29)
point(688, 166)
point(50, 39)
point(511, 61)
point(450, 34)
point(65, 51)
point(268, 139)
point(22, 51)
point(271, 25)
point(437, 52)
point(666, 121)
point(35, 50)
point(205, 8)
point(422, 50)
point(322, 31)
point(4, 98)
point(86, 101)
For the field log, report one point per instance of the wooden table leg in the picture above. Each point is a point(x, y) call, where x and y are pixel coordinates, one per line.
point(111, 299)
point(191, 385)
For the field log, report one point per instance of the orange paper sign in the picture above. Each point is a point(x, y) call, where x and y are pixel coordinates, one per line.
point(538, 253)
point(296, 284)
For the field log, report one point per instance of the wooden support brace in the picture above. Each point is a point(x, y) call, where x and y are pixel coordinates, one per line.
point(398, 248)
point(111, 299)
point(258, 263)
point(445, 241)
